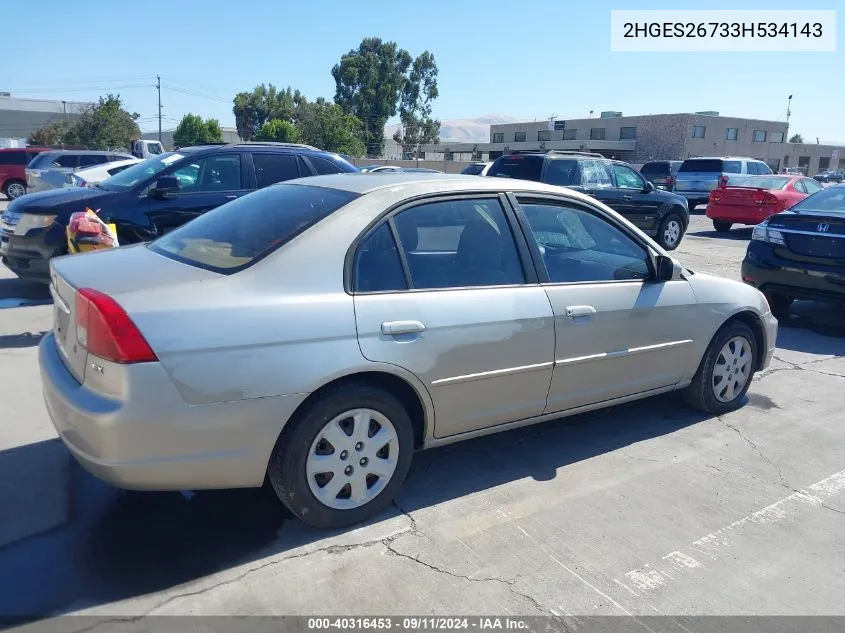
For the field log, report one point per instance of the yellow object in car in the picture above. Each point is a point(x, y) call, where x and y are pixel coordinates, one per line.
point(86, 231)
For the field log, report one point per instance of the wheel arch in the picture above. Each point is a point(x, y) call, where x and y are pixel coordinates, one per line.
point(753, 321)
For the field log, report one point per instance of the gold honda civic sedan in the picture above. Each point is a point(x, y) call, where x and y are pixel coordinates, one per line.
point(316, 333)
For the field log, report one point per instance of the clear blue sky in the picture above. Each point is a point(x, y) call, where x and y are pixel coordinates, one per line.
point(524, 59)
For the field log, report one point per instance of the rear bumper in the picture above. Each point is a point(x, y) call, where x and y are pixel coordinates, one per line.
point(28, 256)
point(737, 214)
point(813, 283)
point(151, 439)
point(694, 198)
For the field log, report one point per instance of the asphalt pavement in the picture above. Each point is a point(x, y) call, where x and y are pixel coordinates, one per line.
point(639, 510)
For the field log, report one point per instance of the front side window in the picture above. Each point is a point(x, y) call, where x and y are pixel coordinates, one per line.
point(237, 234)
point(759, 136)
point(273, 168)
point(459, 243)
point(627, 178)
point(577, 246)
point(698, 131)
point(211, 174)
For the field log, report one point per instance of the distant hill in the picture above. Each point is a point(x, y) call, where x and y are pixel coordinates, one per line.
point(476, 130)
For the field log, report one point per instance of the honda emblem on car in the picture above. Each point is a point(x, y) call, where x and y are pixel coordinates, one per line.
point(823, 227)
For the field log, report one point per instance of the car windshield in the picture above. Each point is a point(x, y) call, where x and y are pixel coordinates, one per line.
point(761, 182)
point(825, 201)
point(128, 178)
point(239, 233)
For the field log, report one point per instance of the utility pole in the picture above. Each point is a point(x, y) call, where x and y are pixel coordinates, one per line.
point(788, 112)
point(158, 87)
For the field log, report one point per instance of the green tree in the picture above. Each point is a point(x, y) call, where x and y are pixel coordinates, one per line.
point(325, 125)
point(107, 125)
point(796, 138)
point(51, 134)
point(263, 104)
point(192, 130)
point(368, 83)
point(418, 93)
point(278, 130)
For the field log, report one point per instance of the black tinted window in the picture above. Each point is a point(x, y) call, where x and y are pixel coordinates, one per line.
point(13, 158)
point(655, 169)
point(272, 168)
point(43, 160)
point(473, 170)
point(562, 172)
point(578, 246)
point(324, 166)
point(89, 160)
point(459, 243)
point(524, 166)
point(377, 263)
point(239, 233)
point(66, 160)
point(702, 164)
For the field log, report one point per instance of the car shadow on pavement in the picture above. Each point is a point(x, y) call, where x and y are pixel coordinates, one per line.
point(71, 542)
point(737, 234)
point(17, 293)
point(812, 327)
point(17, 341)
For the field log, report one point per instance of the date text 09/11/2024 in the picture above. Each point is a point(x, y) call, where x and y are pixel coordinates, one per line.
point(722, 29)
point(480, 623)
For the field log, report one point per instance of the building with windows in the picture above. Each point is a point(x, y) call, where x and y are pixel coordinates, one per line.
point(638, 139)
point(21, 117)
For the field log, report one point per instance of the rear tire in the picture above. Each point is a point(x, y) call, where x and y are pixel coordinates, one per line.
point(725, 372)
point(671, 232)
point(14, 189)
point(778, 302)
point(322, 442)
point(722, 227)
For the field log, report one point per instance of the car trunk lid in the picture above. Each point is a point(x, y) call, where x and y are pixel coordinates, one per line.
point(818, 236)
point(112, 272)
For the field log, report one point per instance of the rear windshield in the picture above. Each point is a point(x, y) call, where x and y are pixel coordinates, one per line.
point(712, 165)
point(761, 182)
point(44, 159)
point(239, 233)
point(523, 166)
point(655, 168)
point(13, 158)
point(830, 200)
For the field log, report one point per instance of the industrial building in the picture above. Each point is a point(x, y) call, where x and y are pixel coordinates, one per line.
point(638, 139)
point(21, 117)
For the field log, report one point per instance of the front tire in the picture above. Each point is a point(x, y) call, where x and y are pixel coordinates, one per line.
point(722, 227)
point(343, 458)
point(671, 232)
point(14, 189)
point(725, 372)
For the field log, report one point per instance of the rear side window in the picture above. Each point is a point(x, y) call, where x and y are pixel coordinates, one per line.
point(655, 169)
point(562, 172)
point(43, 160)
point(12, 158)
point(66, 160)
point(378, 267)
point(240, 233)
point(323, 166)
point(273, 168)
point(522, 166)
point(89, 160)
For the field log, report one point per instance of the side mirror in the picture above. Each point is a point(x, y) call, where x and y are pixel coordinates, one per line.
point(664, 268)
point(166, 188)
point(649, 186)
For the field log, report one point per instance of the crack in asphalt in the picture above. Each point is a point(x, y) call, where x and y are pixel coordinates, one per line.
point(781, 478)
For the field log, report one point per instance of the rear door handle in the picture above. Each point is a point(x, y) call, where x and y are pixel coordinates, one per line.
point(231, 197)
point(391, 328)
point(574, 311)
point(627, 197)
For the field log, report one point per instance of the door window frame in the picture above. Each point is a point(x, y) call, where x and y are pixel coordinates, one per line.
point(534, 249)
point(191, 159)
point(526, 259)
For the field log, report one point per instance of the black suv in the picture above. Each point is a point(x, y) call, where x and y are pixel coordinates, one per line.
point(153, 197)
point(660, 214)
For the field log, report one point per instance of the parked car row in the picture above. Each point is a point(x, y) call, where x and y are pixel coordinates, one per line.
point(829, 176)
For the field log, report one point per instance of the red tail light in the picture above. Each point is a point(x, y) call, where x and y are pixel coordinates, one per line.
point(715, 195)
point(105, 330)
point(764, 197)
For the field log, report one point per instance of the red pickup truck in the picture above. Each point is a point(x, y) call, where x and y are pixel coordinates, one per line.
point(13, 162)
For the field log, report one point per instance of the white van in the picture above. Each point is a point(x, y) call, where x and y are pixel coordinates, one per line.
point(144, 149)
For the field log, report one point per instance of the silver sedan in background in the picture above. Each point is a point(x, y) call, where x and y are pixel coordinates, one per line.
point(49, 170)
point(316, 333)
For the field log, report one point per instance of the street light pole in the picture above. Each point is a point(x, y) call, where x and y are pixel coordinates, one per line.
point(158, 87)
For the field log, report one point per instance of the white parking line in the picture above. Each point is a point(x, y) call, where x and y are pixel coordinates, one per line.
point(648, 579)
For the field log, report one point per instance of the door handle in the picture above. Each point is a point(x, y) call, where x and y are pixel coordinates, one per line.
point(627, 197)
point(231, 197)
point(574, 311)
point(392, 328)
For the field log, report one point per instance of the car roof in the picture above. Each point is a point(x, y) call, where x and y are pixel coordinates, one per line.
point(255, 145)
point(420, 183)
point(725, 158)
point(96, 152)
